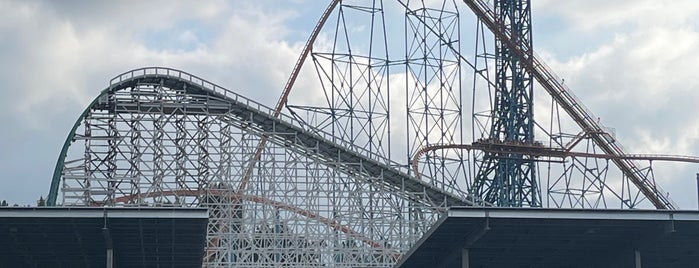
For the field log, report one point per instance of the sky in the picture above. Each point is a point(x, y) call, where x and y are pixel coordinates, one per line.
point(631, 62)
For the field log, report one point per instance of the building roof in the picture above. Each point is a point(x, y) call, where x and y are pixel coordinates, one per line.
point(497, 237)
point(76, 237)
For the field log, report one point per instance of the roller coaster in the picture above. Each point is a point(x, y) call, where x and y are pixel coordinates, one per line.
point(375, 152)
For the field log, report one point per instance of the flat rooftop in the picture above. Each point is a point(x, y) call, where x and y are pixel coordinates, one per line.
point(78, 237)
point(501, 237)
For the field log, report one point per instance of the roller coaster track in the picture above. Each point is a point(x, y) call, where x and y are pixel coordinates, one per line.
point(575, 109)
point(281, 129)
point(540, 151)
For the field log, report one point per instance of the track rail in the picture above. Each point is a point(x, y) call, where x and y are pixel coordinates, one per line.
point(538, 151)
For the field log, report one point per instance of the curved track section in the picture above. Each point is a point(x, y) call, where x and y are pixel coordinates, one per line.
point(549, 153)
point(158, 135)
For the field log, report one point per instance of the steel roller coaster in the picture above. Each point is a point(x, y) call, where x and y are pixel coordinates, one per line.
point(356, 173)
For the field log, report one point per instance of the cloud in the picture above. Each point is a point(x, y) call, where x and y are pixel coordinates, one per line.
point(593, 15)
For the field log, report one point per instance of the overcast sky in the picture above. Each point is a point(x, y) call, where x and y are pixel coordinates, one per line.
point(634, 63)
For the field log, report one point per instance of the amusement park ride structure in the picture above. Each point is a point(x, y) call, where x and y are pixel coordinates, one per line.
point(356, 177)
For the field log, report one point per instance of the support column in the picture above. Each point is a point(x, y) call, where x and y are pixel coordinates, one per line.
point(108, 243)
point(110, 258)
point(698, 190)
point(637, 255)
point(465, 258)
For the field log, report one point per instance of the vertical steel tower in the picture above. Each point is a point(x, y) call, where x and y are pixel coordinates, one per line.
point(505, 179)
